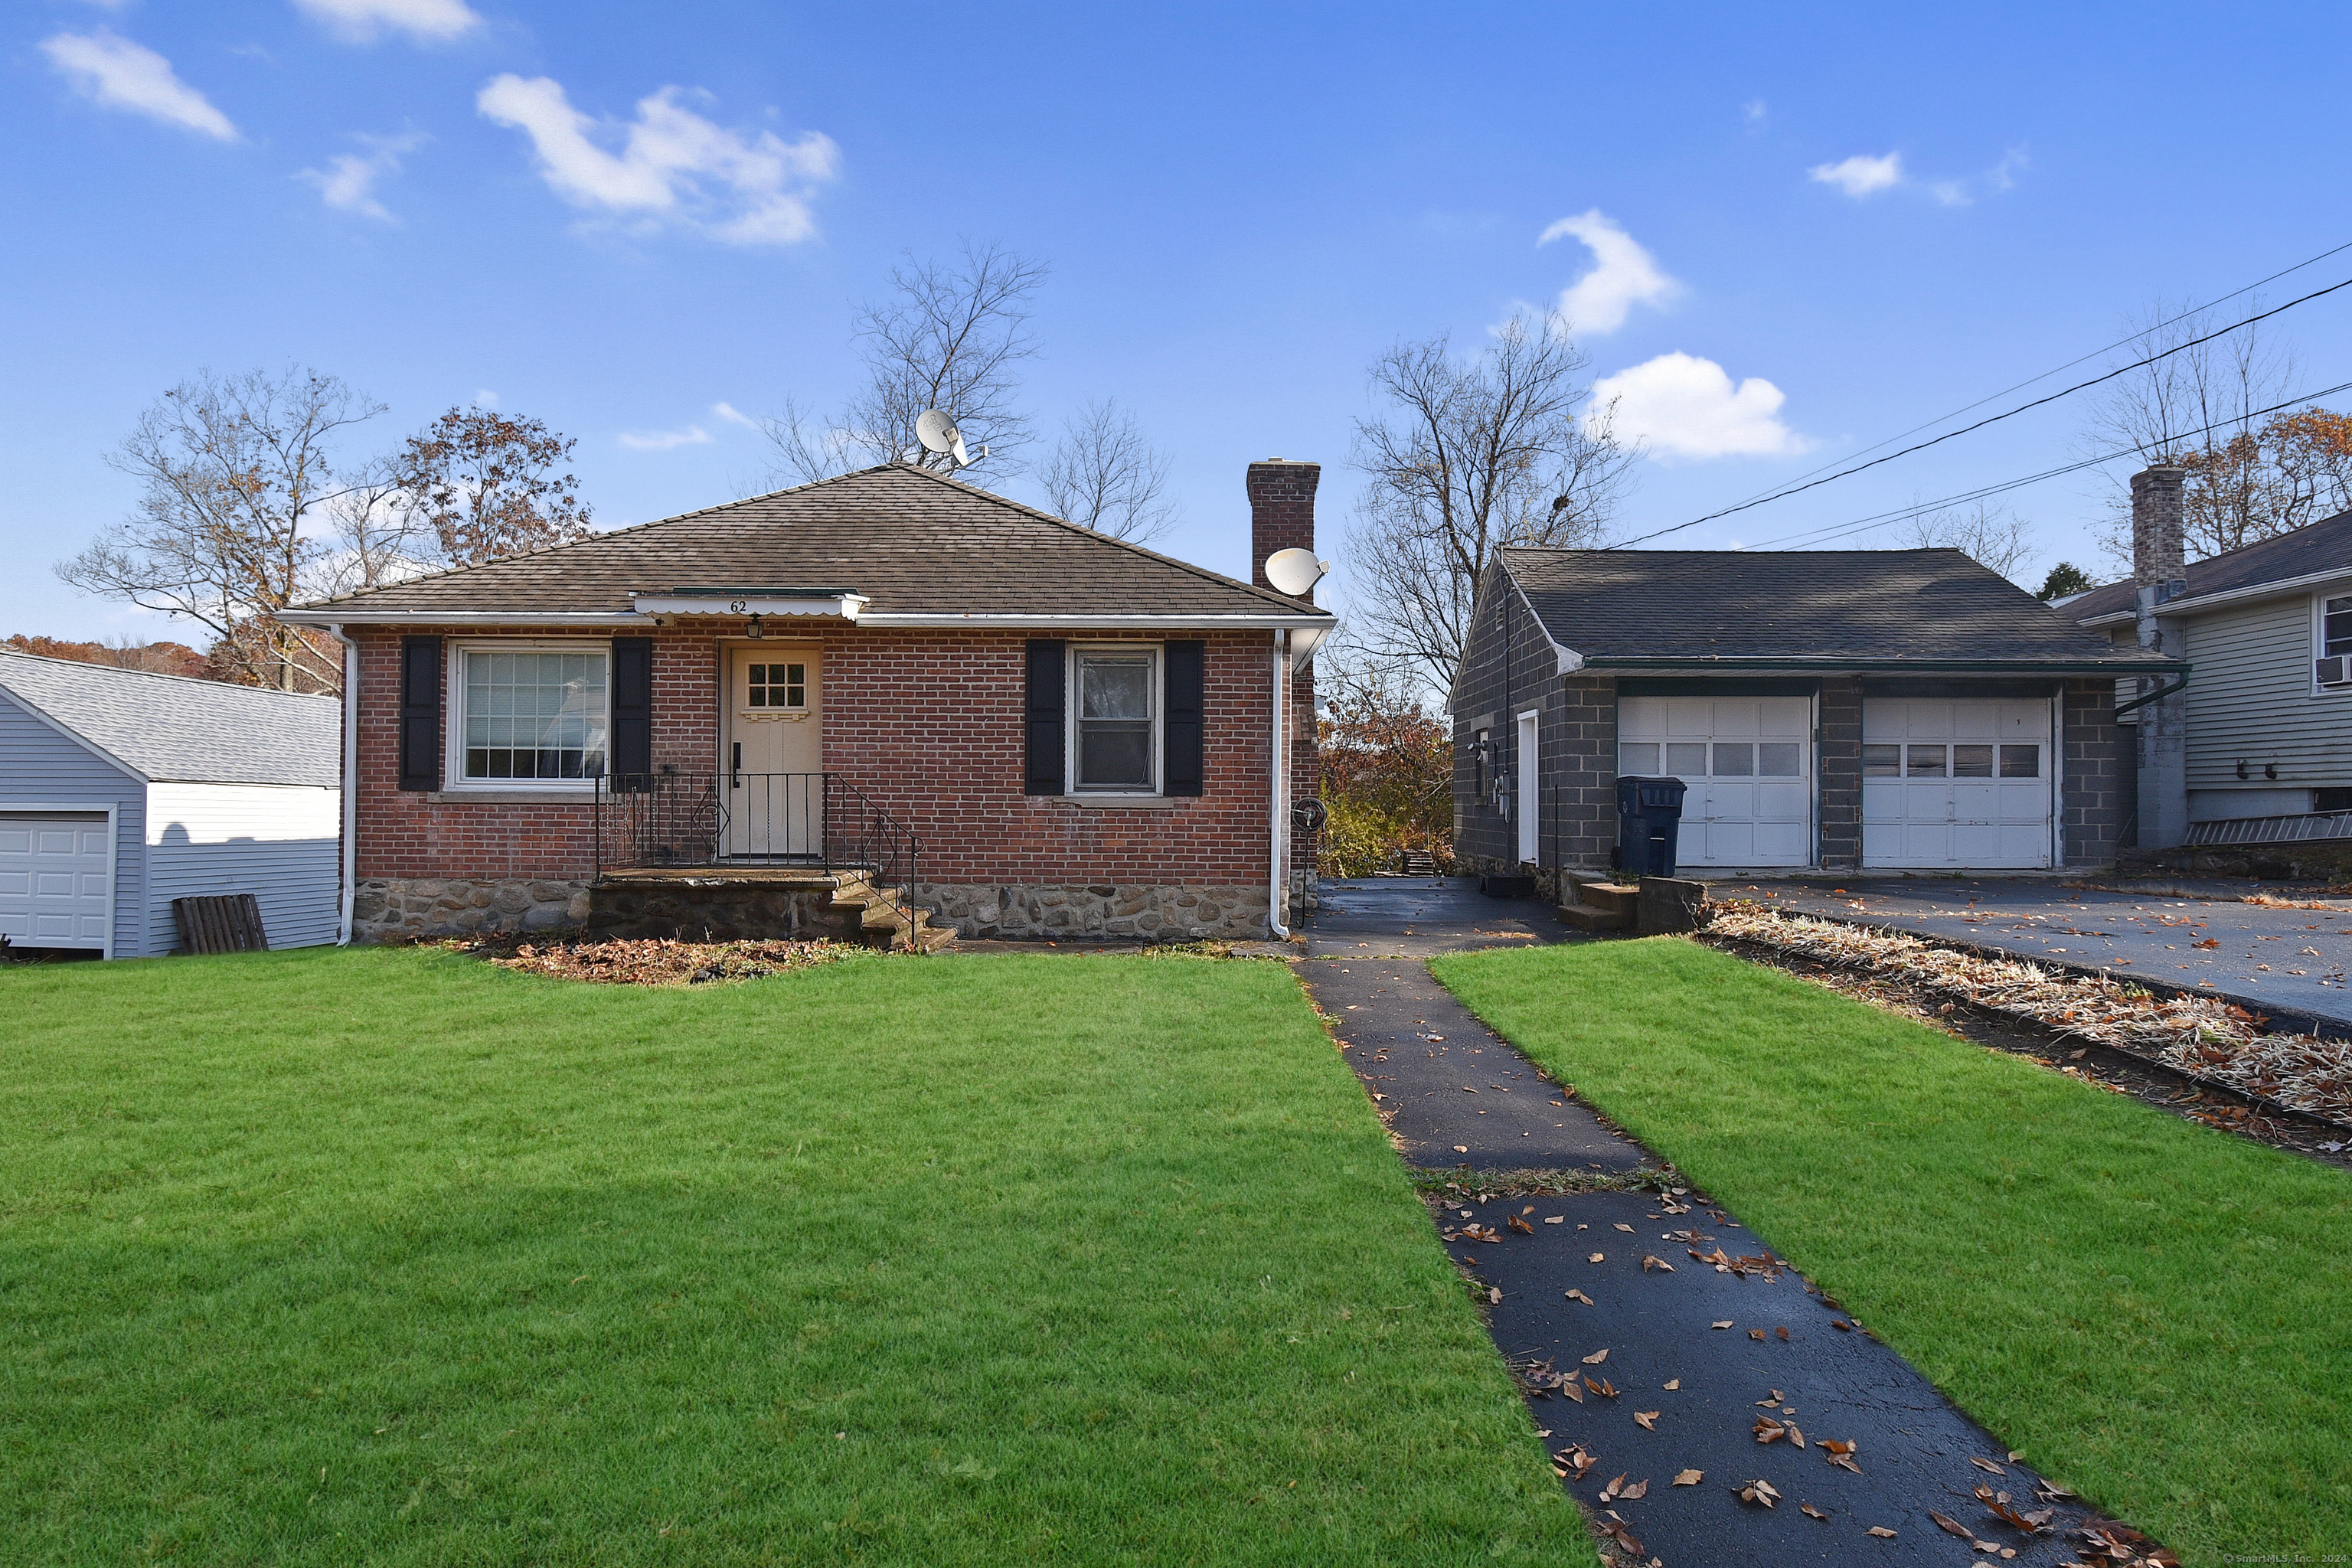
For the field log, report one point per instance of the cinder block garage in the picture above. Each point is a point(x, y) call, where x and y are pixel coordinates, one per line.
point(121, 791)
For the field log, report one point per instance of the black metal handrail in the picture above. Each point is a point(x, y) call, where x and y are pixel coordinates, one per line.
point(689, 821)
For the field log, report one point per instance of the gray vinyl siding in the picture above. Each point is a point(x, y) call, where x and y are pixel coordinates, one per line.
point(278, 842)
point(2250, 698)
point(40, 764)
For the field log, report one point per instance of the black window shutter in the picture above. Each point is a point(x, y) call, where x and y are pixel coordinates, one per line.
point(632, 746)
point(1184, 675)
point(1047, 701)
point(420, 713)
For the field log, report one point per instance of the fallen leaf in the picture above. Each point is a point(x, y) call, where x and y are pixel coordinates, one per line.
point(1810, 1511)
point(2209, 942)
point(1462, 1148)
point(1768, 1430)
point(1530, 1209)
point(1677, 1383)
point(1725, 1324)
point(1840, 1323)
point(1594, 1258)
point(1609, 1493)
point(1638, 1490)
point(1494, 1295)
point(1579, 1295)
point(1987, 1465)
point(1568, 1385)
point(1796, 1436)
point(1556, 1219)
point(1602, 1388)
point(1952, 1525)
point(1690, 1478)
point(1596, 1358)
point(1782, 1333)
point(1880, 1530)
point(1522, 1226)
point(1647, 1420)
point(1773, 1397)
point(1624, 1226)
point(1760, 1491)
point(1649, 1262)
point(1755, 1333)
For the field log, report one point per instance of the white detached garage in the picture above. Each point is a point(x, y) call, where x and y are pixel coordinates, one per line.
point(121, 791)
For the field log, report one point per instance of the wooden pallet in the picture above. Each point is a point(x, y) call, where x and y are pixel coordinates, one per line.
point(224, 923)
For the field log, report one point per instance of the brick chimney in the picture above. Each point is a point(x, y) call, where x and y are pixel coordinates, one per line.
point(2160, 557)
point(1282, 511)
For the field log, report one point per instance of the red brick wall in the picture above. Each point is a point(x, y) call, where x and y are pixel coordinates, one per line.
point(927, 723)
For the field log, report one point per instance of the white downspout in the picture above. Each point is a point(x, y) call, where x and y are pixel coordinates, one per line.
point(351, 802)
point(1277, 792)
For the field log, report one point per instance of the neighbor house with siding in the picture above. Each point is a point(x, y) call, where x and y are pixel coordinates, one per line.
point(121, 790)
point(2257, 746)
point(890, 692)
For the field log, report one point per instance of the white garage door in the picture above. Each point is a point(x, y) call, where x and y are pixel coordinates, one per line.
point(54, 890)
point(1748, 762)
point(1955, 783)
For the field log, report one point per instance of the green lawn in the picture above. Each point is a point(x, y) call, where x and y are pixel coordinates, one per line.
point(392, 1256)
point(2157, 1314)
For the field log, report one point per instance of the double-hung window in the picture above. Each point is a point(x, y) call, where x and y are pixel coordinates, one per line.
point(1115, 741)
point(529, 713)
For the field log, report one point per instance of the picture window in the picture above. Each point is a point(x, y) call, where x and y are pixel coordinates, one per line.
point(530, 714)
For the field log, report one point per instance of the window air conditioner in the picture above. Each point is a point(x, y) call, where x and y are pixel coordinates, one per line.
point(2337, 672)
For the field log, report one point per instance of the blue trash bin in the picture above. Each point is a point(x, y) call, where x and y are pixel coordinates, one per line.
point(1649, 820)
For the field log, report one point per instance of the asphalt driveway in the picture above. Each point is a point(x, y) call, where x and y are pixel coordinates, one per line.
point(2287, 962)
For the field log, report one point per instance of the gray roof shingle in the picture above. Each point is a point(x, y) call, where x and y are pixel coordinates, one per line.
point(2307, 552)
point(911, 540)
point(1873, 607)
point(169, 727)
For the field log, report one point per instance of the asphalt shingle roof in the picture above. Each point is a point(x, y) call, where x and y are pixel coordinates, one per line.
point(1863, 606)
point(911, 540)
point(2305, 552)
point(169, 727)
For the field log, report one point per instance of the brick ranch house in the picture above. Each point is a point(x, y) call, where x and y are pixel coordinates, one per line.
point(889, 691)
point(1831, 709)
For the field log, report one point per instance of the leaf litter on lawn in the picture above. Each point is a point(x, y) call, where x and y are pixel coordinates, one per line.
point(654, 961)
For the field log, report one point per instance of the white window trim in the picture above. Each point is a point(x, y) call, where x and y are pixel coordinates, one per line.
point(453, 717)
point(1071, 721)
point(2318, 649)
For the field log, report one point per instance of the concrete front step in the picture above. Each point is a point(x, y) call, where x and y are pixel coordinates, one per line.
point(721, 904)
point(1602, 906)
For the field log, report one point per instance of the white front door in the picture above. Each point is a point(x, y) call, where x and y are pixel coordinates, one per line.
point(1748, 762)
point(1955, 783)
point(775, 751)
point(1530, 802)
point(53, 887)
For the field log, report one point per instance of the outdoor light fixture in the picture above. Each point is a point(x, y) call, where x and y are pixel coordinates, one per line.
point(753, 629)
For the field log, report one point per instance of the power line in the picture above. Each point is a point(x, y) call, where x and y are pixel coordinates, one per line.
point(2140, 336)
point(1879, 520)
point(1991, 419)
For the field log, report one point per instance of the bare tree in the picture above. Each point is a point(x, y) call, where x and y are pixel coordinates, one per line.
point(950, 336)
point(1989, 535)
point(234, 472)
point(1105, 475)
point(2200, 400)
point(1469, 454)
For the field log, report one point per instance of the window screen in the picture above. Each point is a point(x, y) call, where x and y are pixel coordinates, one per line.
point(534, 715)
point(1117, 708)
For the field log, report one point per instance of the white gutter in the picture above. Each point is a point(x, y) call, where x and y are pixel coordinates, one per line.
point(1278, 791)
point(596, 618)
point(2187, 604)
point(350, 801)
point(1569, 660)
point(591, 618)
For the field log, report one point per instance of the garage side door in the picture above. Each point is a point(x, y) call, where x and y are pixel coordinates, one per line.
point(1748, 762)
point(1955, 783)
point(54, 890)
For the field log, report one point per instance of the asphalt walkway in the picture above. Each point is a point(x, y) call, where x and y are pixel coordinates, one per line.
point(1676, 1358)
point(2290, 963)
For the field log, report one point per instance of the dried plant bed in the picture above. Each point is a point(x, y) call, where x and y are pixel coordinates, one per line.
point(656, 961)
point(2202, 1038)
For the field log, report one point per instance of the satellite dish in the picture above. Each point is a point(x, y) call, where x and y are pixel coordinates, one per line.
point(1295, 572)
point(937, 433)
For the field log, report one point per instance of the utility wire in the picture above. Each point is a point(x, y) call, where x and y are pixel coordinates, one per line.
point(1990, 419)
point(1879, 520)
point(2140, 336)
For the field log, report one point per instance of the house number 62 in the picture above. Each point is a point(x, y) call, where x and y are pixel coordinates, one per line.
point(737, 607)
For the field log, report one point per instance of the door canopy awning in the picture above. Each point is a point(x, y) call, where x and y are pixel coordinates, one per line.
point(733, 604)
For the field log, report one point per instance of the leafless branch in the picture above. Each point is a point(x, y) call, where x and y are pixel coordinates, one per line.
point(1105, 475)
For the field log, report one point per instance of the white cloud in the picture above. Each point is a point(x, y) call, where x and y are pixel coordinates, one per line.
point(118, 74)
point(485, 398)
point(362, 20)
point(1861, 176)
point(1687, 408)
point(728, 412)
point(1624, 275)
point(664, 440)
point(673, 165)
point(348, 182)
point(1754, 112)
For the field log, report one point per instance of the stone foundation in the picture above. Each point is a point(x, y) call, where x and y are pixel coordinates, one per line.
point(1144, 913)
point(398, 908)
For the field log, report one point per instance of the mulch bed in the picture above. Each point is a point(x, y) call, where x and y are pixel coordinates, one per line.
point(2063, 1022)
point(654, 961)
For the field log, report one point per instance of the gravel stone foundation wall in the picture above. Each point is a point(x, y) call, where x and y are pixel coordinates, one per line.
point(1163, 913)
point(392, 908)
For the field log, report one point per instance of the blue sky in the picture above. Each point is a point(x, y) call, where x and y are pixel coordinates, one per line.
point(434, 199)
